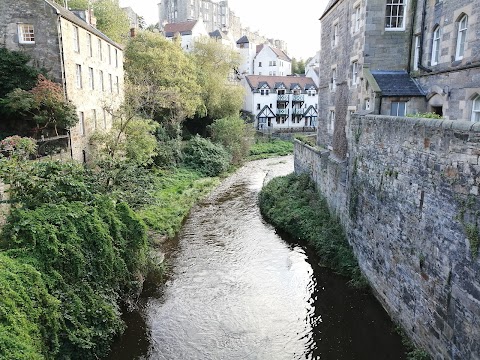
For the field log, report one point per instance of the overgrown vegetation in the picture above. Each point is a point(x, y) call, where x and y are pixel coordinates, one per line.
point(309, 140)
point(269, 147)
point(208, 158)
point(425, 115)
point(292, 204)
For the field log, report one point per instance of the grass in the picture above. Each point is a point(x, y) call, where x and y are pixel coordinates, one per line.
point(292, 204)
point(264, 149)
point(176, 192)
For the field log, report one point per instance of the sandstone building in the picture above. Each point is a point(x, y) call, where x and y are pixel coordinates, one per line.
point(82, 59)
point(396, 57)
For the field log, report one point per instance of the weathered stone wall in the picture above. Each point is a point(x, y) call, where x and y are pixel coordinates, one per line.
point(408, 197)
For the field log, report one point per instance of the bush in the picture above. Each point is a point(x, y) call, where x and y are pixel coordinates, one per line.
point(292, 204)
point(269, 148)
point(234, 134)
point(206, 157)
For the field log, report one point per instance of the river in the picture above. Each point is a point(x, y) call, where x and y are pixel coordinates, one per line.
point(236, 289)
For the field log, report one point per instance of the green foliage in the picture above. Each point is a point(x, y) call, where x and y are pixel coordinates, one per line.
point(412, 352)
point(292, 204)
point(176, 191)
point(309, 140)
point(29, 318)
point(298, 66)
point(162, 80)
point(270, 147)
point(169, 150)
point(15, 73)
point(88, 248)
point(473, 235)
point(426, 115)
point(111, 20)
point(234, 134)
point(206, 157)
point(215, 64)
point(18, 147)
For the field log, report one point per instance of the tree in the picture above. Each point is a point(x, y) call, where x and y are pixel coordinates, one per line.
point(15, 72)
point(161, 81)
point(111, 20)
point(215, 66)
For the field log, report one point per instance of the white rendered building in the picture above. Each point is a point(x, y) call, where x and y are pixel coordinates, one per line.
point(189, 32)
point(271, 61)
point(281, 102)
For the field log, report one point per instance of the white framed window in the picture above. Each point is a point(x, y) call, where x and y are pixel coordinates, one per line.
point(102, 83)
point(435, 46)
point(109, 50)
point(333, 80)
point(81, 117)
point(395, 15)
point(461, 37)
point(356, 19)
point(94, 115)
point(110, 82)
point(354, 73)
point(331, 123)
point(416, 53)
point(78, 74)
point(26, 34)
point(367, 104)
point(89, 45)
point(335, 35)
point(76, 40)
point(264, 91)
point(476, 109)
point(100, 49)
point(91, 79)
point(398, 108)
point(116, 58)
point(117, 84)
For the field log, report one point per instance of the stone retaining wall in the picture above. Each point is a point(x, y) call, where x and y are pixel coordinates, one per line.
point(408, 195)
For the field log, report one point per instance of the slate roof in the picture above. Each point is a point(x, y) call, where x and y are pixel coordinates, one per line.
point(217, 34)
point(243, 40)
point(256, 81)
point(329, 7)
point(184, 28)
point(396, 83)
point(70, 16)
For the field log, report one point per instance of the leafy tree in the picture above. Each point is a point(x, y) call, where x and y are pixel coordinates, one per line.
point(162, 81)
point(206, 157)
point(298, 66)
point(15, 73)
point(41, 108)
point(215, 65)
point(234, 134)
point(111, 19)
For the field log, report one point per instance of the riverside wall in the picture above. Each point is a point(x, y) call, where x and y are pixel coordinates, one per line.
point(408, 196)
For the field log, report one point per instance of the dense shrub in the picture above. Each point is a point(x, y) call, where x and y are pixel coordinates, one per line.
point(270, 147)
point(206, 157)
point(292, 204)
point(234, 134)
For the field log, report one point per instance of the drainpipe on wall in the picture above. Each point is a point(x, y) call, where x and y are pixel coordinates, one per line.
point(414, 11)
point(422, 35)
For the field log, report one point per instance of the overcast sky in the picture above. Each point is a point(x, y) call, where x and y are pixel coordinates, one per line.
point(296, 21)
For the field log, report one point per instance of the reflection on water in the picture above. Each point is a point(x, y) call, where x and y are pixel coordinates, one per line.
point(238, 290)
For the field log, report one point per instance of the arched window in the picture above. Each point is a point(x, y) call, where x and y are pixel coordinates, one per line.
point(436, 46)
point(476, 109)
point(461, 37)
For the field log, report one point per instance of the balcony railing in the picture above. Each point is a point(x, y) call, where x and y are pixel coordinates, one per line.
point(298, 98)
point(298, 111)
point(282, 111)
point(283, 97)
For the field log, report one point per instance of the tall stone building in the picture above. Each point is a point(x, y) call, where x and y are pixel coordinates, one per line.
point(216, 15)
point(396, 57)
point(87, 63)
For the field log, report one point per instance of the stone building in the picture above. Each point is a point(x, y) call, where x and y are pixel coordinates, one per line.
point(377, 59)
point(281, 102)
point(82, 59)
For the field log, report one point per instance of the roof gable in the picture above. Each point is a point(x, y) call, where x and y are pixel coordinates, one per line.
point(257, 81)
point(184, 28)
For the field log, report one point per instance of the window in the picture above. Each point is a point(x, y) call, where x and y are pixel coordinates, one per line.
point(109, 49)
point(331, 117)
point(100, 50)
point(110, 82)
point(274, 63)
point(258, 106)
point(116, 58)
point(76, 40)
point(395, 15)
point(264, 91)
point(461, 37)
point(311, 92)
point(333, 81)
point(476, 109)
point(259, 64)
point(416, 54)
point(356, 25)
point(81, 117)
point(436, 46)
point(78, 72)
point(26, 34)
point(91, 80)
point(354, 73)
point(89, 45)
point(117, 85)
point(102, 84)
point(367, 104)
point(398, 108)
point(335, 35)
point(94, 115)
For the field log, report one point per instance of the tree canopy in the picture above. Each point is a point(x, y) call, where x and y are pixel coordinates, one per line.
point(15, 72)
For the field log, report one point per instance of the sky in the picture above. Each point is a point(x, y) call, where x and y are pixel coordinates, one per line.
point(296, 21)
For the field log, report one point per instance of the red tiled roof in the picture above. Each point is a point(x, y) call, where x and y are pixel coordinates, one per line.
point(181, 27)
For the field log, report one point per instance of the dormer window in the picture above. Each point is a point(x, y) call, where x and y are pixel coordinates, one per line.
point(264, 91)
point(26, 34)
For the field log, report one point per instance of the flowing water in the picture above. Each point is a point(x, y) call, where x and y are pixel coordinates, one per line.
point(236, 289)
